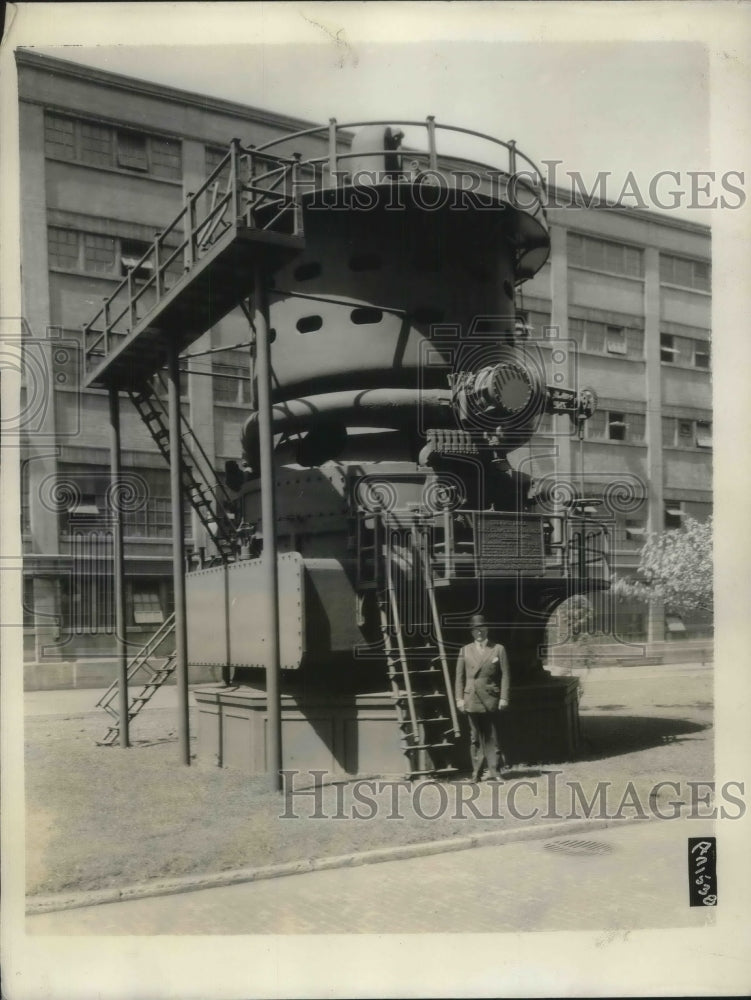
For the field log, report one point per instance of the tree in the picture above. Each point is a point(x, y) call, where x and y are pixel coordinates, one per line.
point(675, 567)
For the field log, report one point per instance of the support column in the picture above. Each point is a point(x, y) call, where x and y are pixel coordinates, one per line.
point(655, 509)
point(178, 556)
point(268, 518)
point(118, 565)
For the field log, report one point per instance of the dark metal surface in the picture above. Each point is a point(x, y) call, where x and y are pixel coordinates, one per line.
point(268, 520)
point(178, 558)
point(118, 568)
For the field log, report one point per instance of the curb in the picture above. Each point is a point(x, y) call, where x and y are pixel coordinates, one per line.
point(237, 876)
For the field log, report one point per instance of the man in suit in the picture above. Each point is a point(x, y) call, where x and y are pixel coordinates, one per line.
point(482, 685)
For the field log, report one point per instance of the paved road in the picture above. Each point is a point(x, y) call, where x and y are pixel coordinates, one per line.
point(636, 878)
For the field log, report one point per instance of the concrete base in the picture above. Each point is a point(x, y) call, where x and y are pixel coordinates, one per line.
point(358, 734)
point(343, 735)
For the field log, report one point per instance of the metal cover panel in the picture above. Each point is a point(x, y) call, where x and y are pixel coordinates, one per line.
point(247, 596)
point(211, 628)
point(506, 546)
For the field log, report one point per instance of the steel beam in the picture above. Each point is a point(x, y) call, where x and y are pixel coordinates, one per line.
point(118, 565)
point(268, 520)
point(178, 555)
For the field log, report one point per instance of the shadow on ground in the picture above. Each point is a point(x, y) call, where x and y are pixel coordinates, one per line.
point(609, 736)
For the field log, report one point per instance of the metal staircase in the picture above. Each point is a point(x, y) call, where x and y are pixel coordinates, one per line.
point(207, 496)
point(419, 675)
point(155, 677)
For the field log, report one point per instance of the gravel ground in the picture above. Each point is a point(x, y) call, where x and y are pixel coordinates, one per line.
point(102, 817)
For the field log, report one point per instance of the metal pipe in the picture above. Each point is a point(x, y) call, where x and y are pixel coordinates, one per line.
point(118, 564)
point(178, 556)
point(395, 408)
point(268, 521)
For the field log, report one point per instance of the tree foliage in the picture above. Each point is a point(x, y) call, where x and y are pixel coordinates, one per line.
point(675, 567)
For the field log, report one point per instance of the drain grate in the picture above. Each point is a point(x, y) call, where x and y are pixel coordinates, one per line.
point(578, 847)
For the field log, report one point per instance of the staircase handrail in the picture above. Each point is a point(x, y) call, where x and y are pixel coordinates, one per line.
point(138, 660)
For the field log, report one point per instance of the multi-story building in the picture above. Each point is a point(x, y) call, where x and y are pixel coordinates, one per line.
point(106, 162)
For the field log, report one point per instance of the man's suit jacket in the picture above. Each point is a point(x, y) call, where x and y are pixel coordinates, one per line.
point(482, 677)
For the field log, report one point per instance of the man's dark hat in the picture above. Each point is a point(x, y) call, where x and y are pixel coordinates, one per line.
point(478, 621)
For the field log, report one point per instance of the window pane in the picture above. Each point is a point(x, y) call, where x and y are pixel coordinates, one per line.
point(231, 380)
point(63, 247)
point(635, 423)
point(635, 343)
point(131, 151)
point(59, 137)
point(701, 275)
point(99, 253)
point(668, 432)
point(703, 434)
point(595, 337)
point(214, 156)
point(685, 432)
point(166, 158)
point(673, 514)
point(616, 426)
point(616, 340)
point(667, 347)
point(96, 144)
point(596, 425)
point(701, 354)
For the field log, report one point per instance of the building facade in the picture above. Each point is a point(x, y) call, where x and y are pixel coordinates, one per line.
point(106, 162)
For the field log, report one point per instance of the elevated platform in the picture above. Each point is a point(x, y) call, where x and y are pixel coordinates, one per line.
point(249, 211)
point(202, 297)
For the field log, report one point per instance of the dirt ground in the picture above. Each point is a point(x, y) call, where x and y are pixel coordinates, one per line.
point(103, 817)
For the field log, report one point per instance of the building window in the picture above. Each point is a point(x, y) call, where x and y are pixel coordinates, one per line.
point(231, 382)
point(603, 255)
point(673, 514)
point(132, 151)
point(701, 354)
point(603, 338)
point(636, 530)
point(685, 351)
point(684, 272)
point(59, 137)
point(152, 520)
point(95, 144)
point(146, 603)
point(686, 433)
point(166, 158)
point(615, 340)
point(131, 252)
point(667, 347)
point(99, 145)
point(63, 247)
point(214, 156)
point(616, 426)
point(99, 253)
point(113, 256)
point(703, 434)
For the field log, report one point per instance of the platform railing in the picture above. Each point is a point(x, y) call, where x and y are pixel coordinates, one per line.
point(513, 162)
point(255, 186)
point(246, 188)
point(570, 547)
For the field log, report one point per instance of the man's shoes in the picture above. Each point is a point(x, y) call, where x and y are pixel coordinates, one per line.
point(493, 776)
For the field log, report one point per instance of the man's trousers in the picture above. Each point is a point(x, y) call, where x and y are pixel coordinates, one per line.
point(485, 729)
